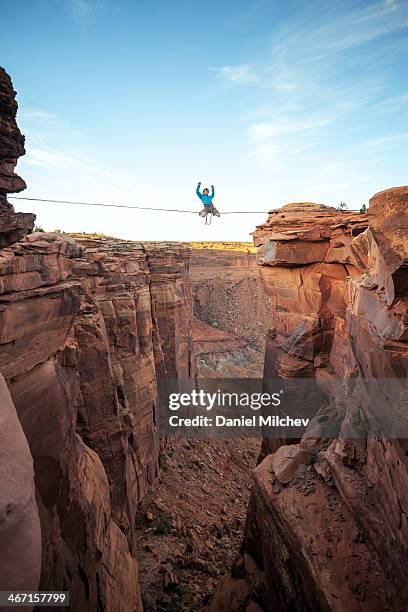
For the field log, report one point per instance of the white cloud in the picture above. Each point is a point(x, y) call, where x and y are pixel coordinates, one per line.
point(39, 121)
point(338, 32)
point(309, 101)
point(48, 137)
point(240, 73)
point(45, 158)
point(50, 158)
point(38, 114)
point(386, 141)
point(259, 132)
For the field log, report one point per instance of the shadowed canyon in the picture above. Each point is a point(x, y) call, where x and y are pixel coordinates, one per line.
point(94, 334)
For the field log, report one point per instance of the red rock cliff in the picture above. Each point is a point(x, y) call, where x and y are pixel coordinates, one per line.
point(12, 225)
point(20, 545)
point(89, 334)
point(326, 526)
point(227, 292)
point(232, 312)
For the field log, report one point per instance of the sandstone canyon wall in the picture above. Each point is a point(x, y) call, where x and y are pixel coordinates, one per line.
point(231, 313)
point(227, 292)
point(326, 527)
point(20, 545)
point(90, 333)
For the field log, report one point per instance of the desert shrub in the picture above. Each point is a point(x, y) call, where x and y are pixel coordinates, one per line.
point(163, 525)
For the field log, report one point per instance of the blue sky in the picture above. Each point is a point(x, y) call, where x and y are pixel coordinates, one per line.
point(134, 101)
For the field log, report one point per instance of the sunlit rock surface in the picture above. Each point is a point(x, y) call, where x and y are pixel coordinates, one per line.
point(326, 526)
point(20, 538)
point(90, 333)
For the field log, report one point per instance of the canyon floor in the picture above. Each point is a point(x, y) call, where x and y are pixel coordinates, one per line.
point(190, 524)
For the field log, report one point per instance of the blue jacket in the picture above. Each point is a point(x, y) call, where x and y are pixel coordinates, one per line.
point(206, 199)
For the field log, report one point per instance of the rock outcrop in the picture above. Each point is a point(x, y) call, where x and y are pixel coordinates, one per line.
point(20, 538)
point(90, 333)
point(13, 226)
point(227, 293)
point(232, 312)
point(326, 527)
point(221, 354)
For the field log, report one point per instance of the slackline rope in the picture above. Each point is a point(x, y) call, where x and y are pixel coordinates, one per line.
point(178, 210)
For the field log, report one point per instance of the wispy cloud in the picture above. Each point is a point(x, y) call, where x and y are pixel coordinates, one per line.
point(385, 142)
point(259, 132)
point(37, 114)
point(50, 141)
point(81, 11)
point(284, 140)
point(239, 74)
point(339, 31)
point(323, 85)
point(85, 13)
point(46, 158)
point(53, 158)
point(36, 120)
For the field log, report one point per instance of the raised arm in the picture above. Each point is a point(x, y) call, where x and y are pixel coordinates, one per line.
point(198, 190)
point(212, 191)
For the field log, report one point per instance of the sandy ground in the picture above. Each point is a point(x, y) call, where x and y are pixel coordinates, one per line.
point(190, 525)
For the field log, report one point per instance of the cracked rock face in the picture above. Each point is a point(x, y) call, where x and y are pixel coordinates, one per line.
point(13, 226)
point(90, 333)
point(326, 527)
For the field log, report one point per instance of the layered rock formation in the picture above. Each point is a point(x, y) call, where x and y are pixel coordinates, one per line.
point(208, 339)
point(20, 545)
point(92, 333)
point(91, 330)
point(221, 354)
point(232, 313)
point(227, 293)
point(13, 226)
point(326, 527)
